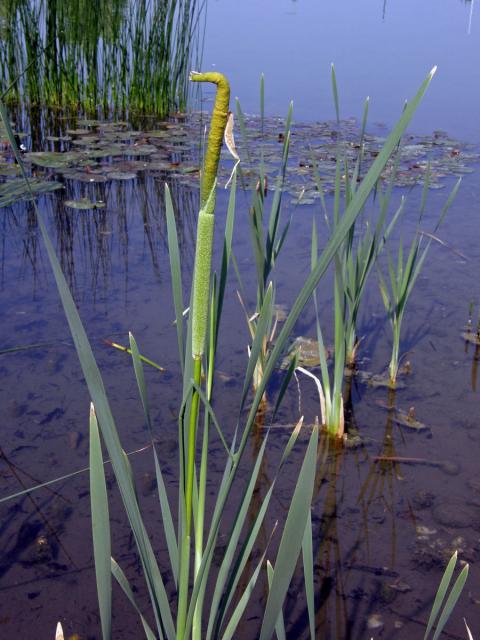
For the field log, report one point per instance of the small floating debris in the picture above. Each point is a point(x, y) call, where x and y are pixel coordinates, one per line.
point(404, 419)
point(473, 337)
point(307, 352)
point(148, 484)
point(375, 622)
point(382, 380)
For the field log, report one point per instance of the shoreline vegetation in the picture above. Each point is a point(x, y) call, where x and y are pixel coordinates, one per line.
point(115, 59)
point(108, 58)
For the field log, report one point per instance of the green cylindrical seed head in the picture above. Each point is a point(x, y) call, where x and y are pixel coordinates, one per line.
point(217, 128)
point(201, 274)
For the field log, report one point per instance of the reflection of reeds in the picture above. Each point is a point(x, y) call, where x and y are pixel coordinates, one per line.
point(84, 242)
point(113, 55)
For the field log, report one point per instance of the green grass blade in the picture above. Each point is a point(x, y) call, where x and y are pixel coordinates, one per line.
point(285, 384)
point(243, 602)
point(175, 269)
point(291, 542)
point(167, 519)
point(441, 593)
point(252, 534)
point(448, 203)
point(451, 601)
point(227, 252)
point(100, 528)
point(229, 554)
point(211, 413)
point(307, 556)
point(261, 331)
point(335, 93)
point(121, 578)
point(280, 626)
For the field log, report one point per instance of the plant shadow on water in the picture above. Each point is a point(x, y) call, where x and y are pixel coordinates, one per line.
point(380, 529)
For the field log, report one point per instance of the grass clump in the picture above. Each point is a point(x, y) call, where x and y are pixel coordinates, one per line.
point(109, 56)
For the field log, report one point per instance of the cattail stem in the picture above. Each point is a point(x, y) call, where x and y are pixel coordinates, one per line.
point(200, 303)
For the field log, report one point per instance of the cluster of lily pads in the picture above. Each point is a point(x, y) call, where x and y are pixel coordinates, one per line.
point(96, 151)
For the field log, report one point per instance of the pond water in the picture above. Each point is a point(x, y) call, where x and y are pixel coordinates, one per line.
point(387, 514)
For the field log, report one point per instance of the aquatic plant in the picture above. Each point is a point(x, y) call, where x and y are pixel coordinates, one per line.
point(111, 55)
point(353, 264)
point(402, 275)
point(228, 602)
point(442, 610)
point(267, 237)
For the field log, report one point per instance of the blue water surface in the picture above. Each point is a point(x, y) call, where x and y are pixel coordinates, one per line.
point(380, 48)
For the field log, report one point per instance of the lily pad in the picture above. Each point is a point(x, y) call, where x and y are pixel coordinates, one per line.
point(84, 176)
point(84, 203)
point(52, 159)
point(122, 175)
point(78, 132)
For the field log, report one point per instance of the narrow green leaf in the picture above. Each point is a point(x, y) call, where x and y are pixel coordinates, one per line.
point(451, 601)
point(243, 602)
point(441, 592)
point(233, 539)
point(291, 542)
point(261, 333)
point(175, 269)
point(100, 528)
point(280, 626)
point(307, 555)
point(121, 578)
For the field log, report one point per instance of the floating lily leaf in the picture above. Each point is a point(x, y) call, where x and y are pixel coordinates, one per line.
point(105, 152)
point(86, 141)
point(52, 159)
point(89, 123)
point(84, 177)
point(122, 175)
point(78, 132)
point(84, 203)
point(140, 150)
point(59, 138)
point(9, 169)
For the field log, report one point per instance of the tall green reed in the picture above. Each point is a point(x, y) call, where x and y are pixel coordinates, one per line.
point(353, 264)
point(226, 605)
point(266, 235)
point(100, 56)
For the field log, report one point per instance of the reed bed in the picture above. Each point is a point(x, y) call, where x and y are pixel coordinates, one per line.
point(114, 56)
point(190, 537)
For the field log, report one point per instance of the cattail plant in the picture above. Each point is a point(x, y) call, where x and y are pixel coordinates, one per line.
point(402, 275)
point(229, 599)
point(200, 301)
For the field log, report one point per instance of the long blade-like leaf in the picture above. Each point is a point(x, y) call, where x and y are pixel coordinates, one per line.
point(174, 255)
point(291, 542)
point(100, 528)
